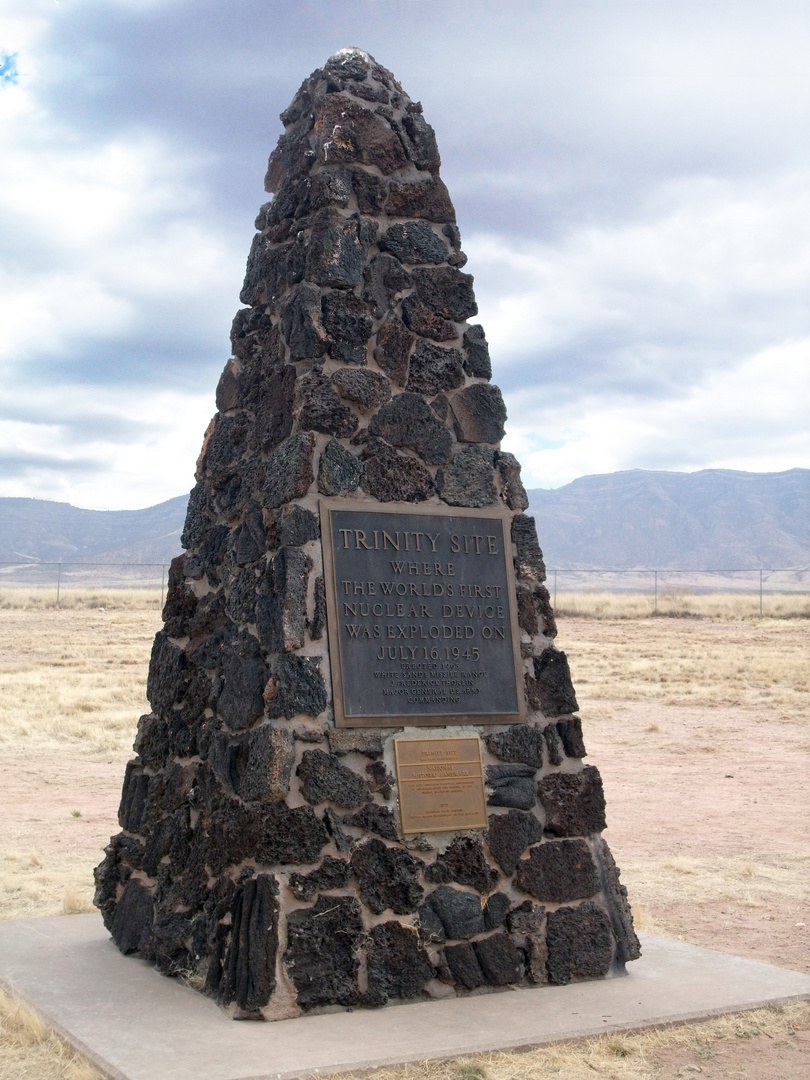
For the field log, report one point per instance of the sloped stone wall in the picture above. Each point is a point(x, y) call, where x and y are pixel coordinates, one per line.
point(260, 854)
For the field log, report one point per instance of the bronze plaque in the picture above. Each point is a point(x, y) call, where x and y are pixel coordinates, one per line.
point(441, 784)
point(421, 616)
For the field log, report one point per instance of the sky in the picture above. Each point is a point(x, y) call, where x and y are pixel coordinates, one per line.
point(631, 179)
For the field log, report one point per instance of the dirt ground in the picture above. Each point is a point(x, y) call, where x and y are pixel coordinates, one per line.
point(708, 800)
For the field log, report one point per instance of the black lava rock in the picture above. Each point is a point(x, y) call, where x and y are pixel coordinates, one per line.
point(322, 952)
point(521, 742)
point(398, 966)
point(574, 802)
point(387, 877)
point(580, 945)
point(509, 835)
point(558, 871)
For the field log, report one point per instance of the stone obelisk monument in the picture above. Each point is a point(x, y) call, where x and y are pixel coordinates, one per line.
point(362, 778)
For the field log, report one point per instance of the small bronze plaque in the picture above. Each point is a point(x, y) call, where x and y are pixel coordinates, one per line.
point(421, 616)
point(441, 784)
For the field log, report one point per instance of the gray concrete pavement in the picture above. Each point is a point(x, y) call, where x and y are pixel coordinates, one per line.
point(138, 1025)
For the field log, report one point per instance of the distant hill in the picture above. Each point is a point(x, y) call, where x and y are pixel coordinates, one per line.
point(715, 519)
point(709, 520)
point(38, 530)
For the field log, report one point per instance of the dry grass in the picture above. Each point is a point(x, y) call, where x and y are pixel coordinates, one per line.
point(756, 664)
point(72, 686)
point(680, 604)
point(71, 597)
point(29, 1049)
point(74, 675)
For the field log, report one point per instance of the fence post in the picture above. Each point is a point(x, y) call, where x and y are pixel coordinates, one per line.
point(162, 581)
point(555, 590)
point(58, 582)
point(655, 603)
point(760, 592)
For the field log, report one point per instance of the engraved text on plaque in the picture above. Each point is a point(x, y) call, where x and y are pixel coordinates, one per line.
point(441, 784)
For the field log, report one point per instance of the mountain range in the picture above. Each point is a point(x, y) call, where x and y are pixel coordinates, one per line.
point(709, 520)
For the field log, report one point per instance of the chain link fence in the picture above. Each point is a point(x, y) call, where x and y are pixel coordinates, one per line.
point(658, 584)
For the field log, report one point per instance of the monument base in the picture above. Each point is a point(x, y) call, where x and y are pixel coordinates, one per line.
point(68, 969)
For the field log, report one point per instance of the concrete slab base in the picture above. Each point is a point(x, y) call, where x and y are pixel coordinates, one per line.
point(136, 1024)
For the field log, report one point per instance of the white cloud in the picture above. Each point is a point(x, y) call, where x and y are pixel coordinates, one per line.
point(752, 418)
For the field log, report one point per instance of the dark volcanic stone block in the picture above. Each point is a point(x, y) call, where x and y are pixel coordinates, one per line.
point(495, 910)
point(433, 369)
point(165, 673)
point(181, 601)
point(270, 758)
point(479, 414)
point(288, 473)
point(418, 317)
point(387, 877)
point(292, 526)
point(574, 802)
point(322, 951)
point(414, 242)
point(514, 791)
point(428, 199)
point(346, 321)
point(281, 601)
point(571, 736)
point(579, 942)
point(521, 742)
point(338, 469)
point(464, 966)
point(244, 676)
point(476, 353)
point(398, 966)
point(132, 921)
point(514, 493)
point(249, 969)
point(367, 389)
point(133, 797)
point(428, 923)
point(558, 871)
point(384, 280)
point(392, 477)
point(527, 613)
point(420, 139)
point(408, 421)
point(529, 562)
point(459, 912)
point(334, 827)
point(331, 874)
point(374, 818)
point(536, 954)
point(556, 750)
point(447, 292)
point(499, 959)
point(509, 835)
point(272, 405)
point(153, 741)
point(527, 918)
point(270, 270)
point(554, 683)
point(316, 626)
point(168, 790)
point(380, 779)
point(365, 740)
point(347, 132)
point(301, 322)
point(467, 480)
point(627, 944)
point(290, 836)
point(463, 861)
point(324, 779)
point(336, 252)
point(394, 341)
point(369, 190)
point(297, 687)
point(320, 407)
